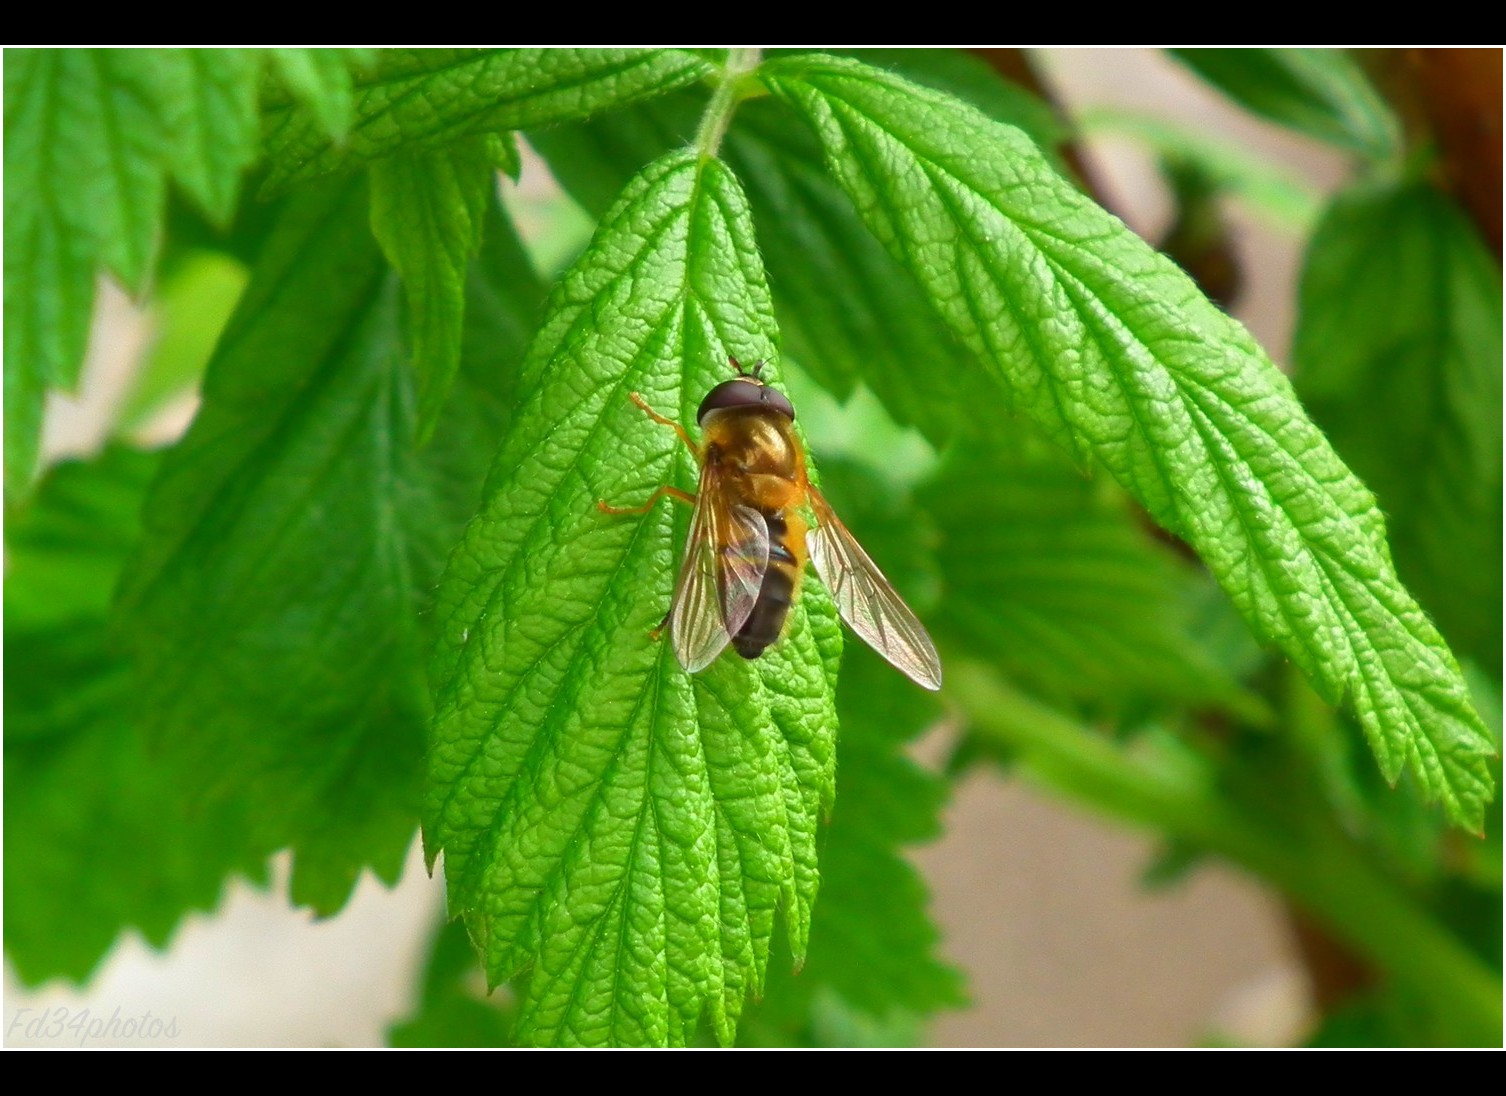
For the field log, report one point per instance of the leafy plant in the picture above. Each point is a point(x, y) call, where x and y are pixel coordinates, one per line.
point(369, 589)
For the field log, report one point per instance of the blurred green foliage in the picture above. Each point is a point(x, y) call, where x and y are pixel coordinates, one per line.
point(225, 648)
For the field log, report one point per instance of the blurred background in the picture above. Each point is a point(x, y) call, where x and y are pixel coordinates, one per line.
point(1042, 907)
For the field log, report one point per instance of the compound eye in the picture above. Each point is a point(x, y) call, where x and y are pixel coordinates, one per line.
point(729, 394)
point(776, 399)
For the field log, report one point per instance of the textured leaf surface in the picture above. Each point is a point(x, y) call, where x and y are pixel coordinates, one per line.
point(99, 836)
point(848, 313)
point(427, 209)
point(622, 831)
point(1399, 355)
point(427, 98)
point(1114, 352)
point(1322, 92)
point(873, 945)
point(291, 541)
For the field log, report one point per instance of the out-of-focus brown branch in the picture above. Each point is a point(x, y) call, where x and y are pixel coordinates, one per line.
point(1335, 974)
point(1200, 239)
point(1454, 96)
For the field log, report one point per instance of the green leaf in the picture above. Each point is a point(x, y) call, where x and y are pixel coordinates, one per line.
point(424, 99)
point(320, 81)
point(1398, 349)
point(101, 145)
point(292, 540)
point(91, 137)
point(70, 175)
point(270, 610)
point(97, 132)
point(49, 254)
point(620, 829)
point(1171, 865)
point(1053, 579)
point(1380, 1018)
point(98, 835)
point(963, 76)
point(873, 945)
point(25, 390)
point(848, 313)
point(207, 108)
point(1321, 92)
point(64, 551)
point(501, 151)
point(427, 209)
point(1112, 350)
point(503, 300)
point(452, 1011)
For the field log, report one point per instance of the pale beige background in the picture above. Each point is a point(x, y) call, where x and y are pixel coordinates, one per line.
point(1038, 902)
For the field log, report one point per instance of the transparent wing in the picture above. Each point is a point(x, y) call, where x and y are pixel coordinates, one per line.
point(726, 556)
point(865, 599)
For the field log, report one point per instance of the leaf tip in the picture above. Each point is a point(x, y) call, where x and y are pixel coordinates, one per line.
point(726, 1028)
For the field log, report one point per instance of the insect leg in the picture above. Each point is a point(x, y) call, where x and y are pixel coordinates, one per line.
point(651, 413)
point(665, 489)
point(673, 492)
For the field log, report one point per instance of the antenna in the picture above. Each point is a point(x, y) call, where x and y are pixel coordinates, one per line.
point(755, 372)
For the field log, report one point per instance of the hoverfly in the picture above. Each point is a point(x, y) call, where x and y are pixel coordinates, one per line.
point(757, 519)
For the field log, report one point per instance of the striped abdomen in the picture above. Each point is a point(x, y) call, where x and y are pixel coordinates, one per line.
point(777, 593)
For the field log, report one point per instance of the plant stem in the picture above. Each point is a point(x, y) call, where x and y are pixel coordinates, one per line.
point(1320, 870)
point(729, 92)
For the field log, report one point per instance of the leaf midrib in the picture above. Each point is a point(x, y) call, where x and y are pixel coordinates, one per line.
point(456, 124)
point(1335, 511)
point(466, 656)
point(586, 948)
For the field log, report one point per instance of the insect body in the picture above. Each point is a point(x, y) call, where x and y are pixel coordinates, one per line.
point(781, 582)
point(757, 519)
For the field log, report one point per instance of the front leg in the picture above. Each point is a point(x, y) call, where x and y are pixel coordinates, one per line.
point(665, 489)
point(664, 421)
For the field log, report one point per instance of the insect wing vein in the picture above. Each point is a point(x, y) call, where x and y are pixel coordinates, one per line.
point(742, 536)
point(866, 601)
point(726, 555)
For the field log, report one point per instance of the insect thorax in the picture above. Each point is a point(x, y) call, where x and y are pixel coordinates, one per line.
point(753, 442)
